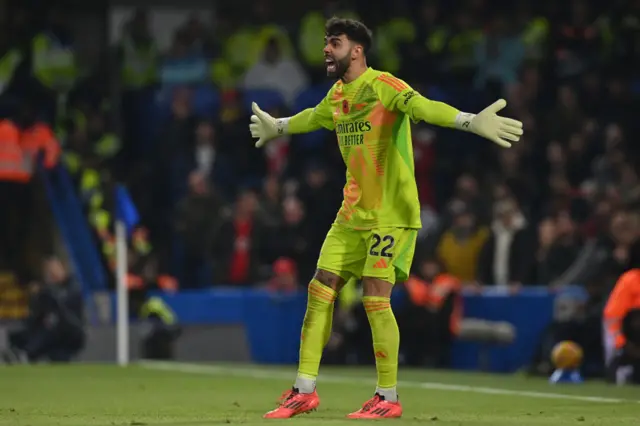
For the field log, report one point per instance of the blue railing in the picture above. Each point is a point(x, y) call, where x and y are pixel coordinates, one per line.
point(74, 227)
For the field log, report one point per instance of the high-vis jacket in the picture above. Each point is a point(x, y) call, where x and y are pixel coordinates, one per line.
point(40, 138)
point(14, 164)
point(433, 295)
point(624, 297)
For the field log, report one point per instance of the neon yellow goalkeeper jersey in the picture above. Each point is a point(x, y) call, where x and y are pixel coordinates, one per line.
point(370, 116)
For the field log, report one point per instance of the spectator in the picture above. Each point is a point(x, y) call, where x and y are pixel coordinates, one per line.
point(429, 30)
point(160, 328)
point(534, 30)
point(249, 164)
point(177, 141)
point(499, 54)
point(14, 195)
point(622, 343)
point(596, 226)
point(205, 149)
point(578, 166)
point(561, 254)
point(458, 63)
point(514, 169)
point(198, 36)
point(567, 116)
point(460, 246)
point(208, 159)
point(624, 235)
point(624, 24)
point(184, 65)
point(138, 55)
point(54, 80)
point(546, 238)
point(629, 185)
point(467, 195)
point(271, 202)
point(54, 329)
point(291, 238)
point(424, 154)
point(432, 318)
point(285, 276)
point(506, 258)
point(176, 148)
point(197, 221)
point(577, 41)
point(321, 198)
point(238, 247)
point(104, 142)
point(276, 72)
point(278, 152)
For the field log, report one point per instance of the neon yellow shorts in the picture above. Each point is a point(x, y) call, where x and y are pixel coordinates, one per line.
point(385, 253)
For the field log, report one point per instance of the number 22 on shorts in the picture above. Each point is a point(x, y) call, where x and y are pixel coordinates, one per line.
point(382, 246)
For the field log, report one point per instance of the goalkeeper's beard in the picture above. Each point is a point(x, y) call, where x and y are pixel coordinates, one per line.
point(341, 67)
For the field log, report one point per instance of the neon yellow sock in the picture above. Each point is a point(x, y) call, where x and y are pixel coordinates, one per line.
point(316, 328)
point(386, 339)
point(329, 327)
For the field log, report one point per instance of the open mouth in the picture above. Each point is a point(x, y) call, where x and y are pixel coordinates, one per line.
point(330, 64)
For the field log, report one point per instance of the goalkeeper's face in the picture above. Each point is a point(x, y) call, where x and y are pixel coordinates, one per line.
point(338, 54)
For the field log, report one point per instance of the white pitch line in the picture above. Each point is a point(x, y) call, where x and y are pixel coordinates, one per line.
point(258, 373)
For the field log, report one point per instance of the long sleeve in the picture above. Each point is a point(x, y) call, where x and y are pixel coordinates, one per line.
point(396, 95)
point(312, 119)
point(620, 299)
point(484, 271)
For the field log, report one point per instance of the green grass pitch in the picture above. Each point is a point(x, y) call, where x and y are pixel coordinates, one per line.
point(155, 394)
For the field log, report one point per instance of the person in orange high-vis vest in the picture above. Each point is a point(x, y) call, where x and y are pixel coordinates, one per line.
point(13, 167)
point(40, 138)
point(15, 172)
point(622, 357)
point(432, 319)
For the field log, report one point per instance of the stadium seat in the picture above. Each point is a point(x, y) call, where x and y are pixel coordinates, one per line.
point(267, 99)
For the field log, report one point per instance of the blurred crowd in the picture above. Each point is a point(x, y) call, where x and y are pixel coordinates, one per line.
point(559, 208)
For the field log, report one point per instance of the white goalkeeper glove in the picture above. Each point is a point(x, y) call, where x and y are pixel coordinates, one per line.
point(264, 127)
point(500, 130)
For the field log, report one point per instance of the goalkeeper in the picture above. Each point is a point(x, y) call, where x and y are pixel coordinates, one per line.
point(374, 234)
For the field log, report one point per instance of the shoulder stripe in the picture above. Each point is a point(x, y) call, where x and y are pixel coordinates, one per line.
point(393, 82)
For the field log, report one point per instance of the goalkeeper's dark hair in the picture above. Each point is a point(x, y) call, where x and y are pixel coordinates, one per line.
point(355, 31)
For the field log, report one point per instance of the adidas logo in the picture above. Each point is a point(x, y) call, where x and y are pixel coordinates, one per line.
point(380, 264)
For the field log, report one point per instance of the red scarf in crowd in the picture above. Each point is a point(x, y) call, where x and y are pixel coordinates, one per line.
point(241, 257)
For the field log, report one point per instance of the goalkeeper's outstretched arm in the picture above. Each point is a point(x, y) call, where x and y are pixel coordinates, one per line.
point(396, 95)
point(265, 127)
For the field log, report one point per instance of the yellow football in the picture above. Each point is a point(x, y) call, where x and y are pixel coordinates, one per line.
point(566, 355)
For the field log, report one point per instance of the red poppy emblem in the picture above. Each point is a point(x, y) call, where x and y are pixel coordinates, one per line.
point(345, 107)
